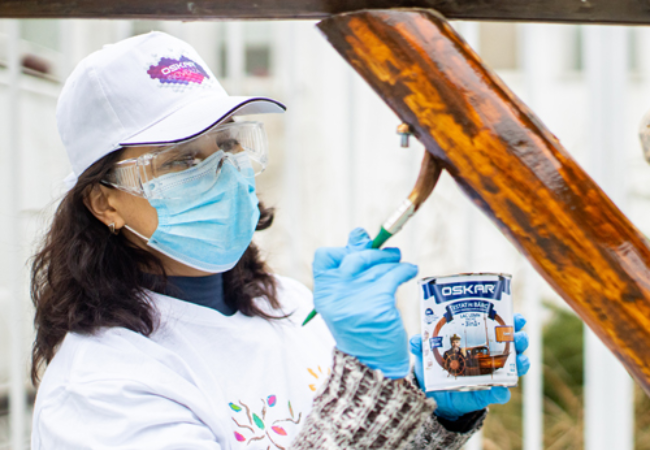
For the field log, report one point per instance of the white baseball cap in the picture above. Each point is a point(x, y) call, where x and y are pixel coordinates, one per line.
point(148, 89)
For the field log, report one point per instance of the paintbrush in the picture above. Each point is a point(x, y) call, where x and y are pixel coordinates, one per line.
point(430, 171)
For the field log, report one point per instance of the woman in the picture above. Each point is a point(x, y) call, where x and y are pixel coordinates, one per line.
point(160, 325)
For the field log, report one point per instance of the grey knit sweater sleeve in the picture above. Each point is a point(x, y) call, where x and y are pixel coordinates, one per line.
point(358, 408)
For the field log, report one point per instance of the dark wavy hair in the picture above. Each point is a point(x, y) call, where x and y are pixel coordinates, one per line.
point(84, 277)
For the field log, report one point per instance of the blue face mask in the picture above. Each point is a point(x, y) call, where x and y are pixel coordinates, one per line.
point(209, 221)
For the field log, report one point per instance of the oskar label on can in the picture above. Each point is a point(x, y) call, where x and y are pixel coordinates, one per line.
point(467, 332)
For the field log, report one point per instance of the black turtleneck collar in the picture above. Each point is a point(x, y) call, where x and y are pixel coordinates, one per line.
point(203, 291)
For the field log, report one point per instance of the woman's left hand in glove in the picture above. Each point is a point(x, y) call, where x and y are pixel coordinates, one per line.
point(454, 404)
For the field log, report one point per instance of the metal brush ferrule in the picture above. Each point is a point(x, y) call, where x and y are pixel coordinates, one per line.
point(401, 215)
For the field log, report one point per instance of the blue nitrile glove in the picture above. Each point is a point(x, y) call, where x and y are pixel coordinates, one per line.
point(453, 404)
point(354, 292)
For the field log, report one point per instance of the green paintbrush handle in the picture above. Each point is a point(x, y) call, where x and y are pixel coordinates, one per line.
point(311, 315)
point(381, 238)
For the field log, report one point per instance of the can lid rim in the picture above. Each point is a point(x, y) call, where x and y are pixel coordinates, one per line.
point(468, 274)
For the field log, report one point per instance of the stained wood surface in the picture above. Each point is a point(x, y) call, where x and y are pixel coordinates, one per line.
point(594, 11)
point(512, 167)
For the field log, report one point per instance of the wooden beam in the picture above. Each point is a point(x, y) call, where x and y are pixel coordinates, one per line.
point(578, 11)
point(512, 167)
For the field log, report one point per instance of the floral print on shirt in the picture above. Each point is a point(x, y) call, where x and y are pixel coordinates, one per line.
point(257, 424)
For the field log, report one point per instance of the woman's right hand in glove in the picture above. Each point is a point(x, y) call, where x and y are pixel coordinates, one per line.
point(354, 291)
point(454, 404)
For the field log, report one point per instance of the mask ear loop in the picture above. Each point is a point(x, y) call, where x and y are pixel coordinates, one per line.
point(144, 238)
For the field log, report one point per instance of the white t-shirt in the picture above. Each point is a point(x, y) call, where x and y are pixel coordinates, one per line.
point(202, 380)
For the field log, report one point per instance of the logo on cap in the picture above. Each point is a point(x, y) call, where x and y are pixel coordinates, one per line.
point(178, 71)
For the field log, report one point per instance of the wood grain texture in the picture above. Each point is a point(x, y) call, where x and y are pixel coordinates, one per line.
point(512, 167)
point(587, 11)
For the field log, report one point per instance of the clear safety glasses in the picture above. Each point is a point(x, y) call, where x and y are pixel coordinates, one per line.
point(233, 140)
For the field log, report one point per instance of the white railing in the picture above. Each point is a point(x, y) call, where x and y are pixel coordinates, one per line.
point(534, 62)
point(609, 406)
point(17, 391)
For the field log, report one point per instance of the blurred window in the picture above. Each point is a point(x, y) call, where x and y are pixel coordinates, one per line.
point(257, 41)
point(257, 49)
point(574, 60)
point(258, 61)
point(43, 32)
point(145, 26)
point(499, 45)
point(222, 50)
point(634, 49)
point(40, 47)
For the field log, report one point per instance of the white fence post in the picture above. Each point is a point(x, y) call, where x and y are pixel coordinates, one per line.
point(17, 393)
point(533, 416)
point(235, 57)
point(533, 41)
point(609, 408)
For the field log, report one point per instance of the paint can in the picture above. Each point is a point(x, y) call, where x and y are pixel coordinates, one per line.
point(468, 332)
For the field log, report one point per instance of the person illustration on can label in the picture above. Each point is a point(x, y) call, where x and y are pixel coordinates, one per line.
point(454, 358)
point(455, 347)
